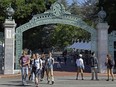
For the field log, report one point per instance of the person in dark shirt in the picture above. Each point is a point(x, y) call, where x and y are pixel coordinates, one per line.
point(109, 63)
point(94, 66)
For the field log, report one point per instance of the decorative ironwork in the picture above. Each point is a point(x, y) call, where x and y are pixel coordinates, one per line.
point(111, 39)
point(53, 16)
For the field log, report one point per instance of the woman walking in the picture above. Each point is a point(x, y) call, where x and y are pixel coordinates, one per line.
point(31, 76)
point(37, 66)
point(49, 67)
point(109, 63)
point(24, 62)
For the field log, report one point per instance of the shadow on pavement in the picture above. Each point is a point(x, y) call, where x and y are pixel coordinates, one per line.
point(15, 85)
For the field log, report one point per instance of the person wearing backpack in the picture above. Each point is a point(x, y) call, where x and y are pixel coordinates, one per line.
point(109, 63)
point(37, 66)
point(94, 66)
point(24, 62)
point(31, 76)
point(49, 68)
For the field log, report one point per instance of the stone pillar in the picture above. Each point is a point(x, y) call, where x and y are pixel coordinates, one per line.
point(9, 46)
point(102, 30)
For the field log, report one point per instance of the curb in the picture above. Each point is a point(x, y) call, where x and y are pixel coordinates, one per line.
point(10, 76)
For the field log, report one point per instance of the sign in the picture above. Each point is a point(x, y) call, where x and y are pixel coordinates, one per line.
point(8, 34)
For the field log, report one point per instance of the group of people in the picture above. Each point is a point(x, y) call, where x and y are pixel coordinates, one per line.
point(38, 64)
point(94, 66)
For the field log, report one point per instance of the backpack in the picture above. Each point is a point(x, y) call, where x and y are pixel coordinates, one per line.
point(111, 63)
point(94, 61)
point(34, 67)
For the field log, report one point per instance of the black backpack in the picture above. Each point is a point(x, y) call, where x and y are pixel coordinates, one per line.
point(111, 63)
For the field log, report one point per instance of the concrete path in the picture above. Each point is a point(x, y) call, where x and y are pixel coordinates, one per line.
point(61, 81)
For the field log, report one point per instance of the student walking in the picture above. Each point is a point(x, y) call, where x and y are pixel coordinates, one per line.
point(110, 64)
point(37, 66)
point(80, 66)
point(49, 68)
point(31, 76)
point(24, 62)
point(43, 58)
point(94, 66)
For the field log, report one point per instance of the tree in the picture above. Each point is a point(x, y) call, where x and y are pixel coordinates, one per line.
point(64, 34)
point(110, 8)
point(24, 9)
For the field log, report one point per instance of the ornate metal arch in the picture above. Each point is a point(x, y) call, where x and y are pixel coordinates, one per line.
point(56, 14)
point(111, 39)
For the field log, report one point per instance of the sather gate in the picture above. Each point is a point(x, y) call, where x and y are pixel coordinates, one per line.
point(56, 14)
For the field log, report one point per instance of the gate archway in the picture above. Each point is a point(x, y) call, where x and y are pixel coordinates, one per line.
point(56, 14)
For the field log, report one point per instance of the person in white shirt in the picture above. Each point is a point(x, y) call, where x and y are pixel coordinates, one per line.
point(37, 66)
point(80, 66)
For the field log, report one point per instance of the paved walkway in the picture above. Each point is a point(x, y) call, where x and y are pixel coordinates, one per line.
point(62, 79)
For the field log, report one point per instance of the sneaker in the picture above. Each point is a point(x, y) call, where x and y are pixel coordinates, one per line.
point(33, 81)
point(23, 83)
point(52, 82)
point(41, 79)
point(76, 78)
point(112, 79)
point(107, 80)
point(48, 82)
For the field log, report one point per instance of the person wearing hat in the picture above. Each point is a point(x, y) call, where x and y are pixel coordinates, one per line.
point(80, 66)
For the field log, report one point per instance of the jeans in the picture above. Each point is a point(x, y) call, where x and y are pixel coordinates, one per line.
point(42, 72)
point(24, 73)
point(32, 76)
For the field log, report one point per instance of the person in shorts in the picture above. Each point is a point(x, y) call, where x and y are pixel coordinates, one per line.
point(49, 68)
point(80, 66)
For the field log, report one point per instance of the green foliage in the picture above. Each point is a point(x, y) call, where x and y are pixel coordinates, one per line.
point(24, 9)
point(63, 35)
point(110, 8)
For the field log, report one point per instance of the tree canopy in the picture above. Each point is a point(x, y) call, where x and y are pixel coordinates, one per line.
point(58, 34)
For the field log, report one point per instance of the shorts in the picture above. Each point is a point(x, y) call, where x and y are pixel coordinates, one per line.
point(80, 67)
point(37, 73)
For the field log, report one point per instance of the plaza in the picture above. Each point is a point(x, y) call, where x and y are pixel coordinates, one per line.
point(62, 79)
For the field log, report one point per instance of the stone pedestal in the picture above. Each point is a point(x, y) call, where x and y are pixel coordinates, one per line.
point(9, 46)
point(102, 30)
